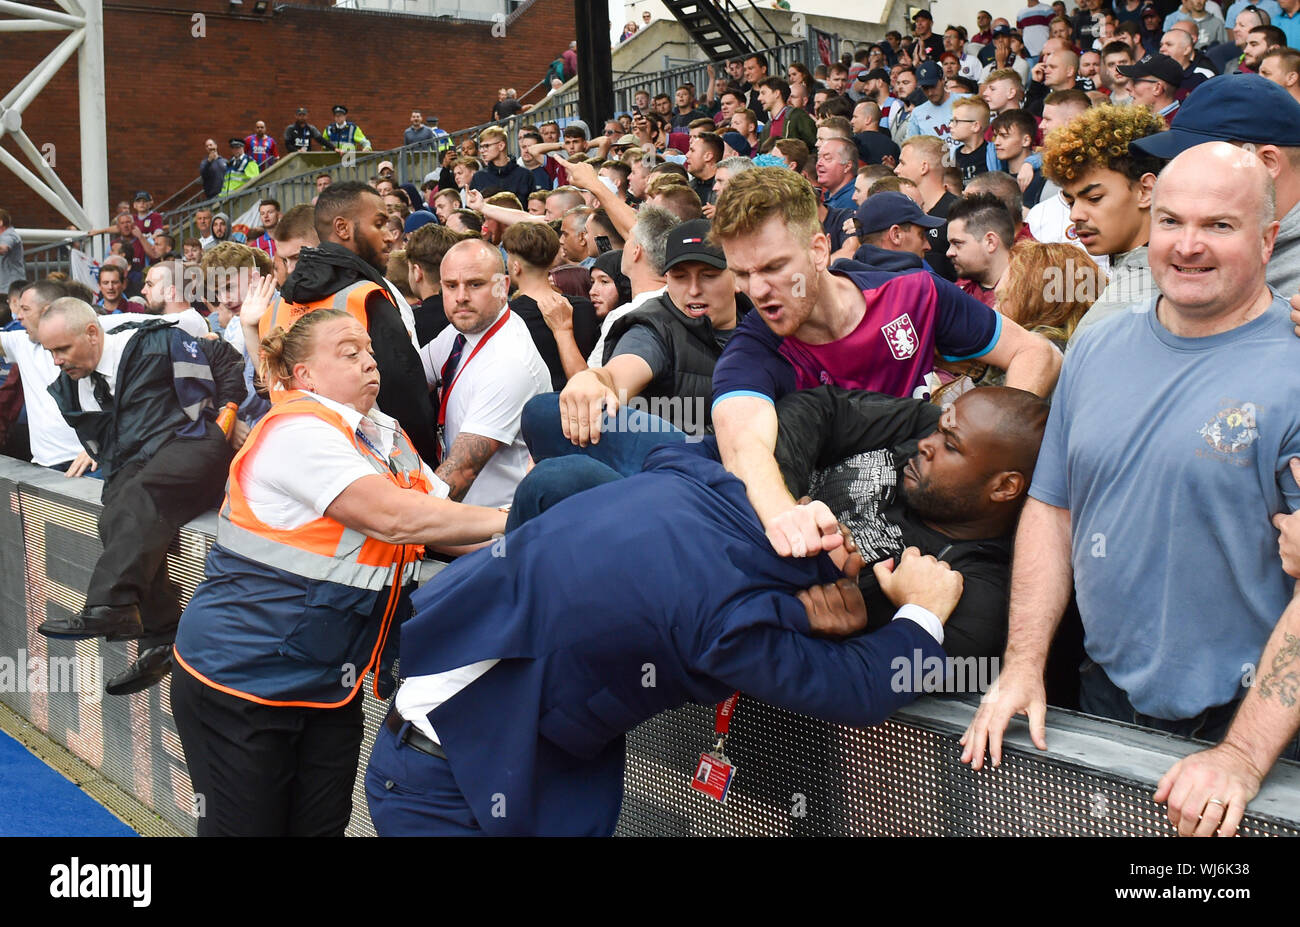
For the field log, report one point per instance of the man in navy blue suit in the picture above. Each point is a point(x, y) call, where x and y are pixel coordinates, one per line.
point(526, 663)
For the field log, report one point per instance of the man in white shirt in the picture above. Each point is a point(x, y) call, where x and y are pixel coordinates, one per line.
point(486, 368)
point(164, 284)
point(54, 443)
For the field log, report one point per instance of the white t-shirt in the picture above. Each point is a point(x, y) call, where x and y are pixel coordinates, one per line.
point(273, 481)
point(52, 439)
point(487, 398)
point(1049, 222)
point(404, 310)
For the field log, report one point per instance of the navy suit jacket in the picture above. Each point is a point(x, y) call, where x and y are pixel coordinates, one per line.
point(614, 605)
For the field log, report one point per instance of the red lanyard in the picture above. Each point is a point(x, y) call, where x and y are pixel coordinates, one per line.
point(722, 718)
point(446, 390)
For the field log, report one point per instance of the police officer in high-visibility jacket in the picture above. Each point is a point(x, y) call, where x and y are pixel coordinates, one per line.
point(344, 134)
point(326, 509)
point(240, 168)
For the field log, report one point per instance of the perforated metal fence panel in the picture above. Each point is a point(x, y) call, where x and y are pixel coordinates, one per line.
point(795, 776)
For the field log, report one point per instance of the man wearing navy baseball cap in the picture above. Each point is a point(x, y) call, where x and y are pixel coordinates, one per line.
point(934, 116)
point(1155, 84)
point(1247, 109)
point(892, 229)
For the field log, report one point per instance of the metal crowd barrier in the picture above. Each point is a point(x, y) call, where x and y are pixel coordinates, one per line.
point(795, 775)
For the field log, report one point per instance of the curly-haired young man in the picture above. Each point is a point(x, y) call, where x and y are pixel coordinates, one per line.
point(1108, 187)
point(850, 326)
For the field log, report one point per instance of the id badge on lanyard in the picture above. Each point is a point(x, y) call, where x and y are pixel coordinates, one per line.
point(714, 773)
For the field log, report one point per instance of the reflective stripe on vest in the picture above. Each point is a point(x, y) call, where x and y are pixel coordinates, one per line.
point(322, 549)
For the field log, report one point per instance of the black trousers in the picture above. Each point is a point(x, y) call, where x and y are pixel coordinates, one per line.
point(260, 771)
point(145, 503)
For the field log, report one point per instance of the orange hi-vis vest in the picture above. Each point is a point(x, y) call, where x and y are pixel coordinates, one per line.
point(299, 616)
point(351, 299)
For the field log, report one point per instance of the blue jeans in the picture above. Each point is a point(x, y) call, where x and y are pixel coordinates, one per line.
point(1098, 695)
point(625, 439)
point(553, 481)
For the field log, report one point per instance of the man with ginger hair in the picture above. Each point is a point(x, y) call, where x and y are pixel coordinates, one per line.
point(852, 327)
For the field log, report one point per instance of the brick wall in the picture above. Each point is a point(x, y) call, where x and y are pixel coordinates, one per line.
point(168, 90)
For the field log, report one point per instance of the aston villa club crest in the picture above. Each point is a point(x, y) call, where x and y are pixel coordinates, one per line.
point(901, 337)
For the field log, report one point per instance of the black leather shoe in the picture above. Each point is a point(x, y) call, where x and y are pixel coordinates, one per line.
point(147, 670)
point(116, 622)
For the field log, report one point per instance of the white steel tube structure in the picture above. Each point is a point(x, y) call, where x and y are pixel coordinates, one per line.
point(83, 20)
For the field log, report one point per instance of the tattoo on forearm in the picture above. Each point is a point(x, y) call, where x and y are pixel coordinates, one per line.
point(1283, 676)
point(465, 459)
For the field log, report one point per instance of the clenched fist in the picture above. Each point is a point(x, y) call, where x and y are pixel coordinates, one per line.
point(920, 580)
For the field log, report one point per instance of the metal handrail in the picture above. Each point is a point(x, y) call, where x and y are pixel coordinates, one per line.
point(564, 104)
point(767, 22)
point(743, 26)
point(410, 162)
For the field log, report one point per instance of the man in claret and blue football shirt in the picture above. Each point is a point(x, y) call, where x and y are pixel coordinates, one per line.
point(849, 326)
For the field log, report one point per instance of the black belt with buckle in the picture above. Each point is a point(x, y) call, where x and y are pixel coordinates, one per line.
point(411, 736)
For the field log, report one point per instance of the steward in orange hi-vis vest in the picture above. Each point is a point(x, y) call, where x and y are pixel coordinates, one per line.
point(299, 616)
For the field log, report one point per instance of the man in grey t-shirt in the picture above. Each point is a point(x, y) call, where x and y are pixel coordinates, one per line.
point(1165, 458)
point(12, 267)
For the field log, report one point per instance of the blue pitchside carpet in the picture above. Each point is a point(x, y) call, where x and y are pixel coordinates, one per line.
point(37, 801)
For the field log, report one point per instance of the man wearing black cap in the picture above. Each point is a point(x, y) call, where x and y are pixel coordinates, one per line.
point(998, 55)
point(934, 116)
point(1155, 84)
point(665, 350)
point(343, 134)
point(892, 229)
point(299, 134)
point(874, 86)
point(1247, 109)
point(923, 29)
point(736, 145)
point(240, 168)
